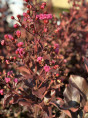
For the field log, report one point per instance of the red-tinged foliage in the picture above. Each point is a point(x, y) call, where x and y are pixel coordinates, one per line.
point(42, 59)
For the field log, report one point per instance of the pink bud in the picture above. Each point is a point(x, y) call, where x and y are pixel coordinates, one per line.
point(65, 61)
point(42, 6)
point(20, 44)
point(44, 3)
point(45, 30)
point(15, 80)
point(16, 25)
point(7, 80)
point(18, 33)
point(6, 36)
point(1, 91)
point(16, 51)
point(12, 17)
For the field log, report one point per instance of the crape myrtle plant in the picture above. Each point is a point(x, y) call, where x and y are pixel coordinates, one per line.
point(35, 68)
point(36, 60)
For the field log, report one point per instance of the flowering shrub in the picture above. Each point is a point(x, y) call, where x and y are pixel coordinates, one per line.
point(35, 69)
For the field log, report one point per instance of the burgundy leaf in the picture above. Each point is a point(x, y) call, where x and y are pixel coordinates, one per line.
point(39, 93)
point(76, 92)
point(6, 99)
point(25, 72)
point(46, 57)
point(24, 102)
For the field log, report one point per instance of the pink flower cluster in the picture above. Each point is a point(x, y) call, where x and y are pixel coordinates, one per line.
point(16, 80)
point(1, 91)
point(8, 36)
point(7, 80)
point(20, 51)
point(39, 59)
point(46, 68)
point(26, 16)
point(44, 16)
point(20, 44)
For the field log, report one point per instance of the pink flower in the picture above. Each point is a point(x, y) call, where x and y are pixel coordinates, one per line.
point(65, 61)
point(8, 36)
point(16, 80)
point(25, 14)
point(7, 80)
point(16, 25)
point(39, 59)
point(20, 44)
point(18, 33)
point(20, 51)
point(44, 16)
point(1, 91)
point(42, 6)
point(46, 68)
point(2, 42)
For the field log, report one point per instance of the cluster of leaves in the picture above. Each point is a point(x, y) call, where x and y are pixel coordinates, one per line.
point(35, 69)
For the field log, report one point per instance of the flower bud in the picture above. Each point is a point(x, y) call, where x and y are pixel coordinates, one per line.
point(28, 11)
point(28, 6)
point(18, 33)
point(12, 17)
point(26, 0)
point(18, 16)
point(6, 36)
point(20, 44)
point(16, 25)
point(1, 91)
point(42, 6)
point(44, 3)
point(46, 21)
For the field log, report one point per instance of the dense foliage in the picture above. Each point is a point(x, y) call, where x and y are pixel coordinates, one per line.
point(41, 57)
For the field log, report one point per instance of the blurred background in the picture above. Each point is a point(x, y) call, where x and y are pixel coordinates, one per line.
point(15, 7)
